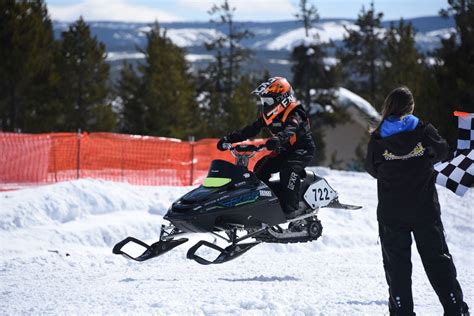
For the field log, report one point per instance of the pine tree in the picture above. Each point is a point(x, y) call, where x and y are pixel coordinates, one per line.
point(129, 92)
point(314, 82)
point(243, 106)
point(222, 78)
point(308, 61)
point(361, 55)
point(167, 92)
point(310, 72)
point(308, 15)
point(27, 75)
point(211, 99)
point(454, 72)
point(83, 88)
point(403, 63)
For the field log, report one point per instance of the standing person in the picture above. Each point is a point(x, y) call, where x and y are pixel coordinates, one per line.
point(400, 155)
point(291, 143)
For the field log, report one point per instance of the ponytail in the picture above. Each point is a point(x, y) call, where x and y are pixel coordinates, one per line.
point(399, 102)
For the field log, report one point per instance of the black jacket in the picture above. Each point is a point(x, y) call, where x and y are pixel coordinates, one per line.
point(293, 130)
point(403, 166)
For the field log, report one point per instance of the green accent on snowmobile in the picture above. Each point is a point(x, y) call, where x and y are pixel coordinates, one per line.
point(246, 202)
point(215, 182)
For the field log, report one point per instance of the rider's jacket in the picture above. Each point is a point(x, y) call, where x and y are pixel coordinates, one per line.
point(291, 127)
point(403, 166)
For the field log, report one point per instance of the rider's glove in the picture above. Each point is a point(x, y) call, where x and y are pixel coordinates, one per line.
point(274, 144)
point(223, 143)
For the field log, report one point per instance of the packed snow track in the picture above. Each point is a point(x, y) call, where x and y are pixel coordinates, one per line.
point(56, 258)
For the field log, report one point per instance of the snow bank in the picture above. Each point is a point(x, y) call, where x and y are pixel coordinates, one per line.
point(85, 212)
point(73, 200)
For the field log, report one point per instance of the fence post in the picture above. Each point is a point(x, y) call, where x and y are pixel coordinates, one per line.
point(54, 158)
point(122, 161)
point(191, 141)
point(78, 168)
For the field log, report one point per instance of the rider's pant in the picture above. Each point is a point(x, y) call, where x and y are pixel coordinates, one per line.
point(396, 240)
point(291, 167)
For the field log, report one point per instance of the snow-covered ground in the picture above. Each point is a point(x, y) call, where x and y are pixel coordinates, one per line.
point(56, 240)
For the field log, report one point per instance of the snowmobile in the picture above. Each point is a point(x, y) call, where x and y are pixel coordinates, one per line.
point(234, 205)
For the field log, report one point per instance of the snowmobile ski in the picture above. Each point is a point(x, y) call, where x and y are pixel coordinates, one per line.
point(336, 204)
point(229, 253)
point(152, 251)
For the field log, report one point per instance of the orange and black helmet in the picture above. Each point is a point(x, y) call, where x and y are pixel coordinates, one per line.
point(276, 96)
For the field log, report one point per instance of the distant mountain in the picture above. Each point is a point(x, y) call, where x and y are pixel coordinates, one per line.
point(272, 41)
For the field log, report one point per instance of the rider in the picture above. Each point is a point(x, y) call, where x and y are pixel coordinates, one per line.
point(291, 141)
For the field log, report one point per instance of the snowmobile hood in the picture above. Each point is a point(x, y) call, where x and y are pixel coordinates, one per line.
point(222, 176)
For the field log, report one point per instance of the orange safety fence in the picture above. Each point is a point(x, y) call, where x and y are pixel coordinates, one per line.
point(27, 159)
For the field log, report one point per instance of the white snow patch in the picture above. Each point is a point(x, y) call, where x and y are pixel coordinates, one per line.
point(279, 61)
point(192, 58)
point(347, 97)
point(434, 36)
point(188, 36)
point(114, 56)
point(261, 30)
point(330, 61)
point(321, 33)
point(55, 245)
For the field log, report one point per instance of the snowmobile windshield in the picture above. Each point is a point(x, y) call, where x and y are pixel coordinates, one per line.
point(222, 172)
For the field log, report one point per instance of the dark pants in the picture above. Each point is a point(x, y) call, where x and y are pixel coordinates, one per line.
point(396, 242)
point(291, 167)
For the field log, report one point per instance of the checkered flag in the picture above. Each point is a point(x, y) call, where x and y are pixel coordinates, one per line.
point(457, 174)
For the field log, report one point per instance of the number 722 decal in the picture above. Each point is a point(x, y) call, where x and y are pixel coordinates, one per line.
point(319, 194)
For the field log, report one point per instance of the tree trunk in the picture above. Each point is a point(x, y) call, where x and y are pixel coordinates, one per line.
point(231, 60)
point(13, 110)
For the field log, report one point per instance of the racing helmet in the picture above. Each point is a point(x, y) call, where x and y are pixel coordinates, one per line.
point(276, 96)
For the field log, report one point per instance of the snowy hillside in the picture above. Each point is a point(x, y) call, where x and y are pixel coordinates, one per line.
point(321, 33)
point(187, 36)
point(272, 36)
point(272, 41)
point(56, 240)
point(336, 31)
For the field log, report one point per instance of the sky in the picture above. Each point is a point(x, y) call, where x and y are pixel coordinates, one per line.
point(246, 10)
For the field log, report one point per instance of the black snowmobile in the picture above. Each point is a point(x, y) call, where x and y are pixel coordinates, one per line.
point(234, 205)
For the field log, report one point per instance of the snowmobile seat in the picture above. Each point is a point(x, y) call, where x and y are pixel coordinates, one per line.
point(306, 181)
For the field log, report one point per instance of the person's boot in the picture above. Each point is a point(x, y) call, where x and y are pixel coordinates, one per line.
point(462, 310)
point(302, 209)
point(293, 213)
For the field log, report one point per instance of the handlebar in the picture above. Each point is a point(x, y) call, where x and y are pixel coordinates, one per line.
point(244, 148)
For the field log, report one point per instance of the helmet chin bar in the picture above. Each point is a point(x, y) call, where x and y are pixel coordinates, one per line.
point(271, 112)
